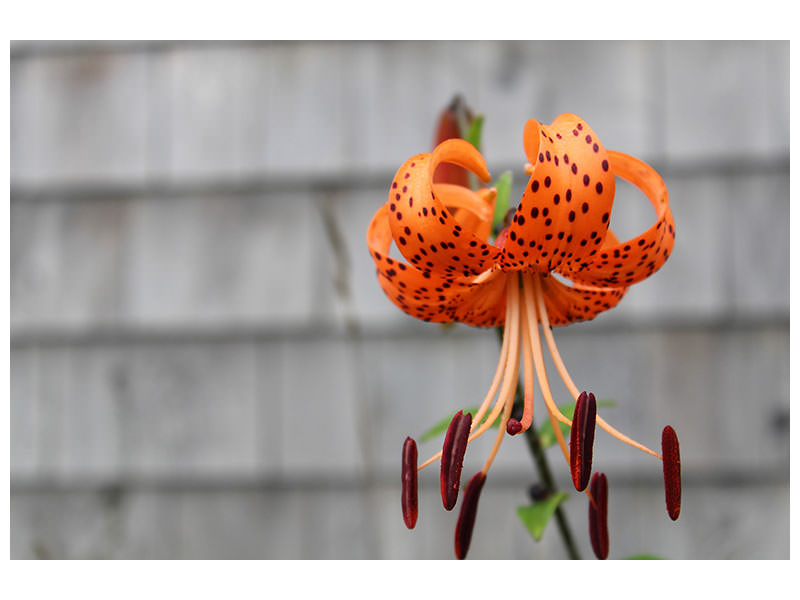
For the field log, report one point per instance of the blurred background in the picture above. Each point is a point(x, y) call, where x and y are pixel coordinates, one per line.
point(204, 366)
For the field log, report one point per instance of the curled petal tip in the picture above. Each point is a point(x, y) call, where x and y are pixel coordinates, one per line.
point(582, 440)
point(462, 153)
point(598, 515)
point(671, 458)
point(453, 450)
point(409, 498)
point(530, 140)
point(466, 518)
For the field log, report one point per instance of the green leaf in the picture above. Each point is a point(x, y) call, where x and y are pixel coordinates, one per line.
point(644, 557)
point(441, 426)
point(546, 436)
point(474, 132)
point(503, 187)
point(536, 516)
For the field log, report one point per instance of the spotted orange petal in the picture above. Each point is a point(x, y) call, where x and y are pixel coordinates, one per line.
point(445, 301)
point(573, 303)
point(565, 209)
point(423, 228)
point(629, 262)
point(427, 295)
point(481, 305)
point(421, 294)
point(473, 210)
point(455, 197)
point(570, 302)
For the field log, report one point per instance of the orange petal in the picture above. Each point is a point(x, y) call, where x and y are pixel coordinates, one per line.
point(629, 262)
point(479, 305)
point(413, 304)
point(565, 209)
point(489, 198)
point(482, 305)
point(423, 229)
point(573, 303)
point(473, 210)
point(456, 196)
point(379, 240)
point(422, 294)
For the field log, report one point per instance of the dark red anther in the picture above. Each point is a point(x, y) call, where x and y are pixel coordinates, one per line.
point(598, 515)
point(455, 445)
point(513, 427)
point(581, 440)
point(466, 518)
point(671, 454)
point(409, 498)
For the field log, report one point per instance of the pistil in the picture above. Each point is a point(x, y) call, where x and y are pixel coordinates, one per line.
point(538, 360)
point(514, 427)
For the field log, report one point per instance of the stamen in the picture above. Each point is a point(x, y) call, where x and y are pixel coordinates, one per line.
point(598, 515)
point(409, 498)
point(511, 371)
point(672, 471)
point(573, 389)
point(466, 518)
point(455, 445)
point(502, 364)
point(581, 440)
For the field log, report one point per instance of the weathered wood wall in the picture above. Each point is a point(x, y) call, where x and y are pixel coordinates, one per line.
point(203, 364)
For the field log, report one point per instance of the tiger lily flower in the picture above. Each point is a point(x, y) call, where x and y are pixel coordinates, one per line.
point(455, 272)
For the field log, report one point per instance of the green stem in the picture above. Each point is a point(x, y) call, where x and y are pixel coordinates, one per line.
point(545, 475)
